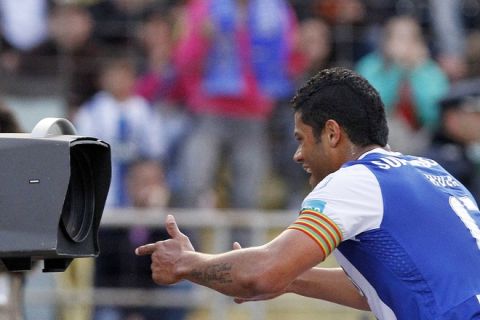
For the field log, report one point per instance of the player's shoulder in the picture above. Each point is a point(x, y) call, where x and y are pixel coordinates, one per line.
point(351, 197)
point(350, 173)
point(358, 176)
point(350, 180)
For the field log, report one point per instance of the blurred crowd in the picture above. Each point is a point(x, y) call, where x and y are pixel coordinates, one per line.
point(193, 95)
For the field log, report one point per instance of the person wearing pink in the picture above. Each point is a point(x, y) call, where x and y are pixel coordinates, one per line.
point(234, 58)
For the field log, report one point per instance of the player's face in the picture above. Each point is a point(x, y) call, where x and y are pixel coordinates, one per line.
point(312, 153)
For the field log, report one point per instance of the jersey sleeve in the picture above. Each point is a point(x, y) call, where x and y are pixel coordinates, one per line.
point(343, 205)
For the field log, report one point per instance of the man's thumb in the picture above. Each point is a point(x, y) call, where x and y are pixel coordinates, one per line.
point(171, 226)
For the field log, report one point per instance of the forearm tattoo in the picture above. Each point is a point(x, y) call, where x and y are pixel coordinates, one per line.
point(216, 273)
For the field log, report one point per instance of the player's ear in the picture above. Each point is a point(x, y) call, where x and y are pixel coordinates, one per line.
point(333, 132)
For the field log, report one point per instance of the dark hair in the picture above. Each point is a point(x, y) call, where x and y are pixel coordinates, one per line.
point(346, 97)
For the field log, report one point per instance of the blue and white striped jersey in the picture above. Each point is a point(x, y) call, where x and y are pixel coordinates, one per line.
point(130, 127)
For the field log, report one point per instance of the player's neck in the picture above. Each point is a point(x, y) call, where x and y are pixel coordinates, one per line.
point(357, 151)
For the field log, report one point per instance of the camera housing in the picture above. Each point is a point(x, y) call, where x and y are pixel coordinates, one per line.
point(53, 188)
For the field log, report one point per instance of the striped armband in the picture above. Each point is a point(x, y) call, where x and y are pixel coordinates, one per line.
point(320, 228)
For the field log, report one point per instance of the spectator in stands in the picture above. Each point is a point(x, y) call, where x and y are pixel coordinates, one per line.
point(358, 26)
point(233, 59)
point(123, 119)
point(158, 83)
point(146, 188)
point(409, 81)
point(456, 144)
point(316, 46)
point(146, 185)
point(442, 25)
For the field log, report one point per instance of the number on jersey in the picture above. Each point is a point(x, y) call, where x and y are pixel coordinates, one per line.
point(466, 210)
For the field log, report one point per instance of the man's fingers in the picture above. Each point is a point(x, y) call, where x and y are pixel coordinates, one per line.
point(145, 249)
point(236, 246)
point(172, 228)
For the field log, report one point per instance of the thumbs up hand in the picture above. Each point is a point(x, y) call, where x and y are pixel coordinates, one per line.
point(165, 254)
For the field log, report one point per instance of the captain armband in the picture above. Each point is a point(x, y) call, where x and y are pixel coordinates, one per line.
point(320, 228)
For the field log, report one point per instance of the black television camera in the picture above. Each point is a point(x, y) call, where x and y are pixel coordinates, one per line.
point(53, 188)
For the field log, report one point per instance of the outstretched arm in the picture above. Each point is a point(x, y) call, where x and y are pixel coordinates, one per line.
point(256, 273)
point(242, 273)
